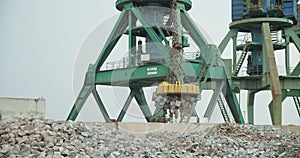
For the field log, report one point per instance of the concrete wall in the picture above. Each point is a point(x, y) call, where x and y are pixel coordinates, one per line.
point(22, 108)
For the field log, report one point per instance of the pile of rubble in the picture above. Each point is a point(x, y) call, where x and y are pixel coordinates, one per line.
point(48, 138)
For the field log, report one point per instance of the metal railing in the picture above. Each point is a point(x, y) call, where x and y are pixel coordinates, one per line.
point(136, 61)
point(120, 64)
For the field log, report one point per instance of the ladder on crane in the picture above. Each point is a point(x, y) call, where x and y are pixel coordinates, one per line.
point(297, 103)
point(223, 109)
point(241, 59)
point(274, 36)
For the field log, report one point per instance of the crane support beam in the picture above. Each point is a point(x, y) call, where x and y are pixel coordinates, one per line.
point(101, 106)
point(126, 106)
point(141, 100)
point(194, 32)
point(250, 107)
point(294, 36)
point(115, 35)
point(231, 34)
point(86, 90)
point(231, 98)
point(276, 110)
point(212, 104)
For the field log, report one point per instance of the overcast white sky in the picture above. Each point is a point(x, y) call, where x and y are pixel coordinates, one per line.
point(40, 41)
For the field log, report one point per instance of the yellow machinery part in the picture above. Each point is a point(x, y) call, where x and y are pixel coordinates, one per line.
point(171, 88)
point(184, 88)
point(177, 88)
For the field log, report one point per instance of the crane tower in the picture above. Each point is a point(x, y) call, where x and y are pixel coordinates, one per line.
point(159, 33)
point(266, 27)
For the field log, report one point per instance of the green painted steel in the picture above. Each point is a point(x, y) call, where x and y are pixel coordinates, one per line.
point(115, 35)
point(143, 75)
point(126, 106)
point(250, 107)
point(141, 100)
point(288, 91)
point(274, 80)
point(287, 55)
point(232, 34)
point(194, 32)
point(234, 40)
point(147, 75)
point(294, 36)
point(296, 70)
point(212, 104)
point(158, 113)
point(269, 80)
point(101, 106)
point(245, 24)
point(83, 95)
point(254, 83)
point(230, 97)
point(161, 33)
point(271, 106)
point(204, 70)
point(120, 4)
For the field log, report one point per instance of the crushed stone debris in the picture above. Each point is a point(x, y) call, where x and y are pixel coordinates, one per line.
point(39, 138)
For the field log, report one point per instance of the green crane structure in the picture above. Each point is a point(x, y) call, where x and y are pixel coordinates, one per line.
point(160, 23)
point(271, 26)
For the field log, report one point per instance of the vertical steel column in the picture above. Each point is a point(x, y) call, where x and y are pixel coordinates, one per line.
point(287, 55)
point(250, 107)
point(234, 40)
point(273, 73)
point(296, 40)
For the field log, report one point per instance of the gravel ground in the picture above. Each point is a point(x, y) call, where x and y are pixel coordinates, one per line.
point(47, 138)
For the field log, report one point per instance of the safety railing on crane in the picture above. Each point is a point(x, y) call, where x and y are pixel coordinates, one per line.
point(124, 62)
point(119, 64)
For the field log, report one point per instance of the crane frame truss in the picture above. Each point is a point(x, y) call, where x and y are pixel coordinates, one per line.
point(280, 86)
point(135, 78)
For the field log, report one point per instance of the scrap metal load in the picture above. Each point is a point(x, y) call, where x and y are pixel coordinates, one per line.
point(176, 97)
point(176, 101)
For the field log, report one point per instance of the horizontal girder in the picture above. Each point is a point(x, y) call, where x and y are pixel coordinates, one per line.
point(255, 83)
point(150, 75)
